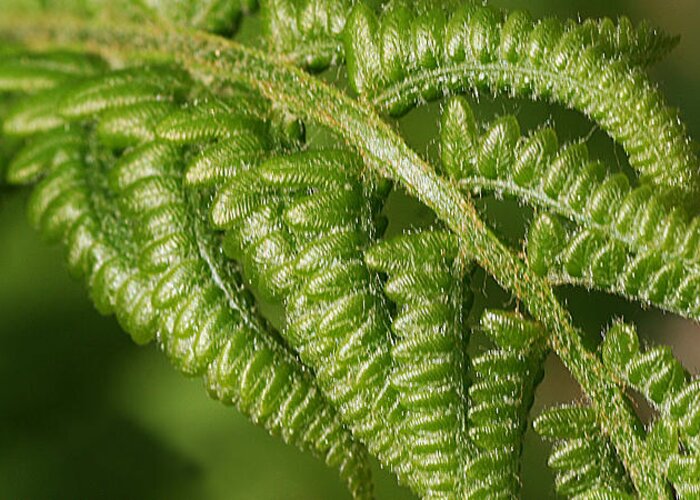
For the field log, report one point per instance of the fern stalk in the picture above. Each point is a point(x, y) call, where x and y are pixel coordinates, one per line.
point(214, 59)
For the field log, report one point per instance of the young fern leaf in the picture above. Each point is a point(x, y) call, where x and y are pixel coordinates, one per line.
point(668, 388)
point(141, 242)
point(267, 385)
point(430, 362)
point(216, 16)
point(590, 258)
point(309, 32)
point(585, 462)
point(642, 45)
point(28, 72)
point(481, 442)
point(501, 395)
point(306, 32)
point(136, 165)
point(622, 232)
point(206, 128)
point(336, 318)
point(562, 180)
point(405, 57)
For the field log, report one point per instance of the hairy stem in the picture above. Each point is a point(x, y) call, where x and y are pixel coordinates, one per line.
point(216, 59)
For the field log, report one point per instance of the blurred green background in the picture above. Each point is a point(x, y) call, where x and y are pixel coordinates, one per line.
point(84, 413)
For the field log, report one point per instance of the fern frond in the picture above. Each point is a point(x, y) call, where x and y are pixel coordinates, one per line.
point(628, 240)
point(640, 45)
point(117, 89)
point(480, 48)
point(428, 365)
point(22, 71)
point(502, 393)
point(144, 248)
point(309, 32)
point(178, 187)
point(585, 462)
point(224, 160)
point(209, 118)
point(216, 16)
point(87, 97)
point(40, 153)
point(132, 124)
point(207, 127)
point(306, 32)
point(429, 355)
point(196, 314)
point(590, 258)
point(562, 180)
point(336, 319)
point(666, 385)
point(657, 375)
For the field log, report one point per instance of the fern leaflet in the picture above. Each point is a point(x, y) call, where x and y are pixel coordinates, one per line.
point(179, 179)
point(479, 48)
point(168, 281)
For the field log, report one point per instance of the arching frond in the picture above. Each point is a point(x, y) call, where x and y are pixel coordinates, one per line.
point(336, 318)
point(405, 57)
point(141, 242)
point(175, 170)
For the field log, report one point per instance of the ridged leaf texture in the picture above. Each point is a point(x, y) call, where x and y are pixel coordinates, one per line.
point(656, 374)
point(585, 462)
point(405, 57)
point(589, 257)
point(501, 395)
point(624, 239)
point(307, 32)
point(429, 359)
point(217, 16)
point(431, 367)
point(141, 242)
point(336, 318)
point(587, 465)
point(190, 177)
